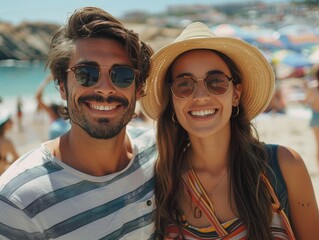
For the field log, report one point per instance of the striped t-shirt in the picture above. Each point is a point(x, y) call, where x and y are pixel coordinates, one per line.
point(43, 198)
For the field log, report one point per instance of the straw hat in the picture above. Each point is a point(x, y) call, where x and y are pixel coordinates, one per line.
point(258, 76)
point(4, 116)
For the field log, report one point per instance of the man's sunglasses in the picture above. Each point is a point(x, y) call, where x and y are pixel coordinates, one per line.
point(88, 75)
point(216, 82)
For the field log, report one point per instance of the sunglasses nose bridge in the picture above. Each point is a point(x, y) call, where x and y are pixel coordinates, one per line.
point(105, 83)
point(200, 88)
point(104, 71)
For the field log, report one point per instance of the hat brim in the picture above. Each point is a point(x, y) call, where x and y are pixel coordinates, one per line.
point(257, 74)
point(4, 116)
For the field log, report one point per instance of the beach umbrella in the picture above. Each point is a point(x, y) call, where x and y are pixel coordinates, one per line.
point(291, 58)
point(298, 36)
point(296, 29)
point(228, 30)
point(267, 38)
point(232, 30)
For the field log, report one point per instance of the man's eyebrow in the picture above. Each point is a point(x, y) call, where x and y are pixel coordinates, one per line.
point(86, 62)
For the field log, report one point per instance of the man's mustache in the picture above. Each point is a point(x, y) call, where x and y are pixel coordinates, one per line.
point(109, 99)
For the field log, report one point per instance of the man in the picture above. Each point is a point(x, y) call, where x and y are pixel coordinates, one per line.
point(97, 180)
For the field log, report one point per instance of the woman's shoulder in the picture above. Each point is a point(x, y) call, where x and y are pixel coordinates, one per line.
point(294, 169)
point(289, 159)
point(301, 195)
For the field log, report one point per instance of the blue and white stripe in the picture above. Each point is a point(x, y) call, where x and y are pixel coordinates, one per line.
point(42, 198)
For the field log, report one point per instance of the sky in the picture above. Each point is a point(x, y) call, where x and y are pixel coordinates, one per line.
point(57, 11)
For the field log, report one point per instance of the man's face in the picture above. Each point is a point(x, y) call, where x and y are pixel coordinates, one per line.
point(101, 110)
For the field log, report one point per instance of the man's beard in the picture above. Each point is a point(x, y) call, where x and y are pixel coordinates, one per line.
point(104, 128)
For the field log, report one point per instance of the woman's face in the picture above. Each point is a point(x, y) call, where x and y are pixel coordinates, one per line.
point(202, 113)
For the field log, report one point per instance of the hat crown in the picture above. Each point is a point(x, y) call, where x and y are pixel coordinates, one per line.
point(195, 30)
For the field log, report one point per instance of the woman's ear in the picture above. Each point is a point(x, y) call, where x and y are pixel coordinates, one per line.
point(237, 94)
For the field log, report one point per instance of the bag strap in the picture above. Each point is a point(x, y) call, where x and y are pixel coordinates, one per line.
point(277, 207)
point(276, 178)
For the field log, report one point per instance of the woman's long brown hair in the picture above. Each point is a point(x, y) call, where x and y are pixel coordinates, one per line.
point(248, 160)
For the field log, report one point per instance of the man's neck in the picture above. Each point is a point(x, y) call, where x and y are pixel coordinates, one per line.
point(92, 156)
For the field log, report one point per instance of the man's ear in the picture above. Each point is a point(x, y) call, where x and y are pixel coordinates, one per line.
point(140, 92)
point(62, 90)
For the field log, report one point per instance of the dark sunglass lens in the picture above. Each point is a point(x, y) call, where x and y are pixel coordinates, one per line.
point(183, 87)
point(86, 76)
point(217, 83)
point(122, 77)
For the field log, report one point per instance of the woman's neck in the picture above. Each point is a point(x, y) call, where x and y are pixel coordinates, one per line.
point(209, 154)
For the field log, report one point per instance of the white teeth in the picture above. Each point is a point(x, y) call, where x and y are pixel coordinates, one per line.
point(102, 108)
point(202, 113)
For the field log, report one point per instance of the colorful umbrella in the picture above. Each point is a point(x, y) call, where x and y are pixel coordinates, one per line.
point(298, 36)
point(228, 30)
point(291, 58)
point(232, 30)
point(266, 38)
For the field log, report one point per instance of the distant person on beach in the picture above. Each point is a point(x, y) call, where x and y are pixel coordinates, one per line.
point(97, 180)
point(214, 178)
point(58, 126)
point(20, 114)
point(277, 102)
point(312, 100)
point(8, 153)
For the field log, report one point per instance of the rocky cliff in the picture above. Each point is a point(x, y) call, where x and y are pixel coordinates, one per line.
point(30, 41)
point(26, 41)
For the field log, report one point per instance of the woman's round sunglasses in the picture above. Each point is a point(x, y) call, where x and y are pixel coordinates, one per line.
point(216, 82)
point(122, 76)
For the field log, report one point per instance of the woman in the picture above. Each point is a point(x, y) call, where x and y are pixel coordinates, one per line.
point(312, 99)
point(7, 148)
point(215, 179)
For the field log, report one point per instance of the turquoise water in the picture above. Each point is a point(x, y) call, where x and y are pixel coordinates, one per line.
point(22, 79)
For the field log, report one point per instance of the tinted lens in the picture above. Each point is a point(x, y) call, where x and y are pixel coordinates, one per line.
point(122, 76)
point(86, 76)
point(217, 83)
point(183, 87)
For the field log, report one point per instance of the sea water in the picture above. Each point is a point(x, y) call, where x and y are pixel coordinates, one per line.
point(21, 79)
